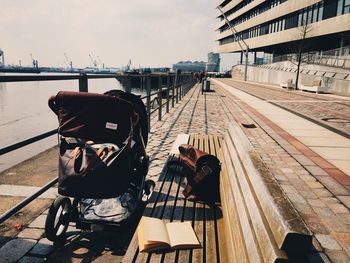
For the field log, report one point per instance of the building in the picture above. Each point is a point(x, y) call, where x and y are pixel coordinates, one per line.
point(273, 26)
point(213, 64)
point(189, 66)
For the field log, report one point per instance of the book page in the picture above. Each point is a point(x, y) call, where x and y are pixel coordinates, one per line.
point(150, 232)
point(182, 235)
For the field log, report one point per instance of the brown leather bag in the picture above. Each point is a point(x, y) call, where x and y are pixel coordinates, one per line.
point(202, 171)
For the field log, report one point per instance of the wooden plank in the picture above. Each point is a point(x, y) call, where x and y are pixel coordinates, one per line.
point(252, 218)
point(185, 255)
point(180, 139)
point(229, 225)
point(210, 216)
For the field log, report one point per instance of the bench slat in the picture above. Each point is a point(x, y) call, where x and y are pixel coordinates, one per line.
point(229, 224)
point(289, 231)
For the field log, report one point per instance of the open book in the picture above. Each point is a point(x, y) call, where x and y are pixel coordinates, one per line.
point(154, 234)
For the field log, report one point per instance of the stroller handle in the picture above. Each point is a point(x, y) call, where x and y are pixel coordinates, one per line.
point(52, 104)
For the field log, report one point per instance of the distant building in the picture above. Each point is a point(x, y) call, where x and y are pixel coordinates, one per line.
point(189, 66)
point(273, 25)
point(213, 64)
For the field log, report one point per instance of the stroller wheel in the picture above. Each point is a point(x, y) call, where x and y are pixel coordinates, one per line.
point(57, 219)
point(148, 189)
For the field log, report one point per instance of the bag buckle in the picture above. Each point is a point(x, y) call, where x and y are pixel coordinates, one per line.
point(206, 170)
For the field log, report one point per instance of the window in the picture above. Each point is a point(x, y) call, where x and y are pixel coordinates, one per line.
point(292, 21)
point(330, 9)
point(340, 7)
point(315, 15)
point(347, 6)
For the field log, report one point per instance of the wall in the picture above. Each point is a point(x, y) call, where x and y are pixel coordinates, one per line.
point(276, 77)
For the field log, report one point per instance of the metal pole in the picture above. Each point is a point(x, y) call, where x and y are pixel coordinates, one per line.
point(83, 82)
point(173, 93)
point(148, 103)
point(234, 32)
point(160, 98)
point(167, 93)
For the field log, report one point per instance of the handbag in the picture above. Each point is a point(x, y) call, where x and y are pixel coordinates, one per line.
point(88, 170)
point(202, 171)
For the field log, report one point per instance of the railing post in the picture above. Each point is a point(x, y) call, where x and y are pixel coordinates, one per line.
point(167, 93)
point(83, 82)
point(160, 98)
point(173, 93)
point(177, 88)
point(148, 102)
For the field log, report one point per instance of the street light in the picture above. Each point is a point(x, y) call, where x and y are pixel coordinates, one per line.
point(234, 32)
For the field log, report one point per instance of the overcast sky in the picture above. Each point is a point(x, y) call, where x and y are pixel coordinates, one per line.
point(149, 32)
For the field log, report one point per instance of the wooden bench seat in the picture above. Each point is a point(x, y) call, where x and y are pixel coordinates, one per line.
point(254, 223)
point(167, 202)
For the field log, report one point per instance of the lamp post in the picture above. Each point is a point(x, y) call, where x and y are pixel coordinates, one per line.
point(234, 32)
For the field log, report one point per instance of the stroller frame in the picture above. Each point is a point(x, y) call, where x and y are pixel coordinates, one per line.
point(63, 211)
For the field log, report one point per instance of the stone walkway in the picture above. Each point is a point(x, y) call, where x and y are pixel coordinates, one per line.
point(326, 215)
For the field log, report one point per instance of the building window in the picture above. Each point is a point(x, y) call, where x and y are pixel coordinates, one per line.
point(346, 7)
point(330, 9)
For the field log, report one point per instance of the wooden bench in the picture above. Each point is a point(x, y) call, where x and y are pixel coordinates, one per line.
point(288, 84)
point(167, 202)
point(315, 87)
point(261, 223)
point(256, 225)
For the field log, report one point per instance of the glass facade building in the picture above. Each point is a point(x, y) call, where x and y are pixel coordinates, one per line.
point(271, 24)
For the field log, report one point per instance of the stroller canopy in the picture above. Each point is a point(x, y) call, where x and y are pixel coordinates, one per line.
point(91, 116)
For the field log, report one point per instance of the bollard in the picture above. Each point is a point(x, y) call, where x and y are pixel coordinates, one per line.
point(167, 93)
point(148, 102)
point(83, 82)
point(160, 98)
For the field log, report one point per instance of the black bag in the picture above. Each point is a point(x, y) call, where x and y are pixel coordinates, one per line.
point(93, 170)
point(202, 171)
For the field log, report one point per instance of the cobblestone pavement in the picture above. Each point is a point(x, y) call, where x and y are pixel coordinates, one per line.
point(332, 112)
point(326, 215)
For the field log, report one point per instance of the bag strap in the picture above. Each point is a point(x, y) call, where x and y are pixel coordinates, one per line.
point(77, 153)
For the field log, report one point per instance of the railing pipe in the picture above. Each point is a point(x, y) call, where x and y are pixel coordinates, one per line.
point(26, 201)
point(160, 82)
point(167, 93)
point(26, 142)
point(148, 101)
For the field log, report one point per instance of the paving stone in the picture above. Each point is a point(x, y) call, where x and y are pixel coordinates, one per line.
point(28, 259)
point(316, 203)
point(15, 249)
point(345, 200)
point(33, 233)
point(315, 170)
point(39, 222)
point(338, 208)
point(43, 248)
point(328, 242)
point(338, 256)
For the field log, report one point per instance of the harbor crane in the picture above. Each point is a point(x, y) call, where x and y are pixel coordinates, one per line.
point(101, 63)
point(68, 62)
point(93, 61)
point(34, 61)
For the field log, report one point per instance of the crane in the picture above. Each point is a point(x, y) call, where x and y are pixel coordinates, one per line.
point(93, 61)
point(68, 62)
point(34, 61)
point(101, 63)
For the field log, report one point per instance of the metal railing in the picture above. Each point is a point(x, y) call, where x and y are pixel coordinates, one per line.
point(172, 87)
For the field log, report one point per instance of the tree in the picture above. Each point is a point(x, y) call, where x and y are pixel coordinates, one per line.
point(299, 47)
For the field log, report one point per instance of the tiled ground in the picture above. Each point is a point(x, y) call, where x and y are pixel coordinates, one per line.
point(319, 199)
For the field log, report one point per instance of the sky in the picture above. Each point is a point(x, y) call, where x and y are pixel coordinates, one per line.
point(147, 32)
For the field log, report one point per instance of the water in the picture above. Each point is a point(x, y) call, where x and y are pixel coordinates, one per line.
point(24, 113)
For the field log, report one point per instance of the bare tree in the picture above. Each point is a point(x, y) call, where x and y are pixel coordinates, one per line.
point(300, 47)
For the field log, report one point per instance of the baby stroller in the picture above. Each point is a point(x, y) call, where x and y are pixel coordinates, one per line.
point(102, 160)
